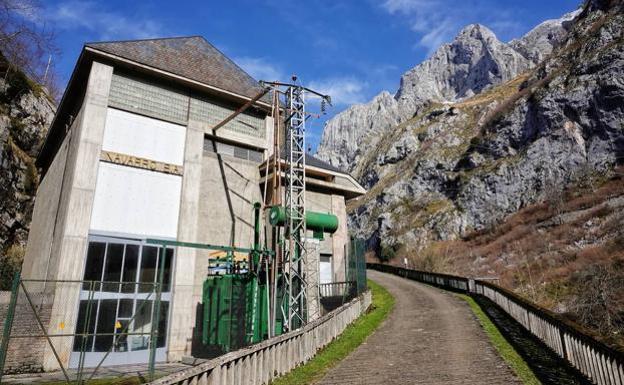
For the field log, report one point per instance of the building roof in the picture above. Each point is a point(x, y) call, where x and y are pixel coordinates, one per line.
point(192, 57)
point(313, 161)
point(324, 176)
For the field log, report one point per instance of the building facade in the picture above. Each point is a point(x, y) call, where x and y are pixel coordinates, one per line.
point(131, 156)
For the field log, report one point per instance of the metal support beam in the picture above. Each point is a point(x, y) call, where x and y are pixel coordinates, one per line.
point(240, 110)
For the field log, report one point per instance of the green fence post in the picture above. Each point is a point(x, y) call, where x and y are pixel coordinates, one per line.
point(8, 322)
point(156, 314)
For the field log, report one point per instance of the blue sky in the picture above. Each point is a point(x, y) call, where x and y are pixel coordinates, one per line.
point(349, 49)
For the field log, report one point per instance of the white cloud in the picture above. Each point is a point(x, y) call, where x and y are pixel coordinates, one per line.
point(343, 91)
point(108, 25)
point(437, 21)
point(260, 68)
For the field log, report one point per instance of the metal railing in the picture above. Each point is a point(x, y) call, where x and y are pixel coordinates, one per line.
point(602, 364)
point(337, 289)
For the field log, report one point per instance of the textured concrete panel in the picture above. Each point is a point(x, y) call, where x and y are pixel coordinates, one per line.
point(340, 238)
point(183, 307)
point(37, 257)
point(76, 204)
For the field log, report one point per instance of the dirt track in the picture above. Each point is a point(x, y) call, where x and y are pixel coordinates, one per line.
point(431, 337)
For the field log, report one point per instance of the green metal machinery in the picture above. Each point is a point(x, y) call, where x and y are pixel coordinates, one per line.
point(235, 311)
point(236, 301)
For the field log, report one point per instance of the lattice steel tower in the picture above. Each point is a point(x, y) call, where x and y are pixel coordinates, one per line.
point(294, 202)
point(295, 269)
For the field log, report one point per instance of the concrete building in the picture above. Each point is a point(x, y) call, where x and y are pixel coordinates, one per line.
point(131, 155)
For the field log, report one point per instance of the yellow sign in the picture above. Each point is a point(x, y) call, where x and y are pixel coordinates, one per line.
point(135, 161)
point(117, 325)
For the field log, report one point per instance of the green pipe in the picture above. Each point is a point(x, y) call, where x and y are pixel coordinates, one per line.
point(257, 207)
point(318, 222)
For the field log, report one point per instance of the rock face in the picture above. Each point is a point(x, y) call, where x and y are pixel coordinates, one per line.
point(484, 128)
point(541, 40)
point(474, 61)
point(25, 115)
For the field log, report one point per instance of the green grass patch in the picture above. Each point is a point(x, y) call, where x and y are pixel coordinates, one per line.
point(509, 354)
point(351, 338)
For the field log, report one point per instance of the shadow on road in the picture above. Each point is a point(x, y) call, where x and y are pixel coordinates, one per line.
point(548, 367)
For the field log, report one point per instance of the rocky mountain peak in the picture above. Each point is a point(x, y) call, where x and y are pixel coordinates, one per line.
point(541, 40)
point(472, 62)
point(476, 31)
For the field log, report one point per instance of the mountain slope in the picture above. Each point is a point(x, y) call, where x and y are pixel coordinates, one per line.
point(497, 183)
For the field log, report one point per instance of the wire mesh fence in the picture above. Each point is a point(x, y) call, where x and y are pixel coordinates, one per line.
point(76, 328)
point(122, 320)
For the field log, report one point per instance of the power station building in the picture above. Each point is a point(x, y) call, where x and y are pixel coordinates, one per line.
point(130, 156)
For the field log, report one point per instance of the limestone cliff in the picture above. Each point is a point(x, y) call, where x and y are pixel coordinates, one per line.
point(25, 115)
point(484, 128)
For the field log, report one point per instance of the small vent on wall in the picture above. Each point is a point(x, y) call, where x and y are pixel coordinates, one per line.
point(233, 150)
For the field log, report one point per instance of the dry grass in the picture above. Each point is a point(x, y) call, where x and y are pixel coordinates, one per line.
point(547, 254)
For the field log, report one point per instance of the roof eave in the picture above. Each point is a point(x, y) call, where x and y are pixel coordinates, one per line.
point(177, 78)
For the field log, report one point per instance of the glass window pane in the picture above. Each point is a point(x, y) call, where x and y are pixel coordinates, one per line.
point(226, 149)
point(255, 156)
point(112, 271)
point(148, 268)
point(95, 260)
point(125, 308)
point(209, 145)
point(142, 324)
point(130, 268)
point(240, 152)
point(121, 336)
point(80, 326)
point(167, 277)
point(162, 324)
point(105, 325)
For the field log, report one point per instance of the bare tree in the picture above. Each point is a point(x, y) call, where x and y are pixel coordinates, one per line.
point(26, 43)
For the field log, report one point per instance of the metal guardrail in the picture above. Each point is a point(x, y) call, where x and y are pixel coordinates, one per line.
point(336, 289)
point(600, 363)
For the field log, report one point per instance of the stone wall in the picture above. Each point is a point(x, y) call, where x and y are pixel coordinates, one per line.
point(25, 355)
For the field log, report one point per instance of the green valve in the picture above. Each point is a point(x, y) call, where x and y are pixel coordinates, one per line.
point(317, 222)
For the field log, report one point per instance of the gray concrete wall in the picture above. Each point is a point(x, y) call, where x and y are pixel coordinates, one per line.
point(214, 221)
point(340, 238)
point(76, 205)
point(40, 238)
